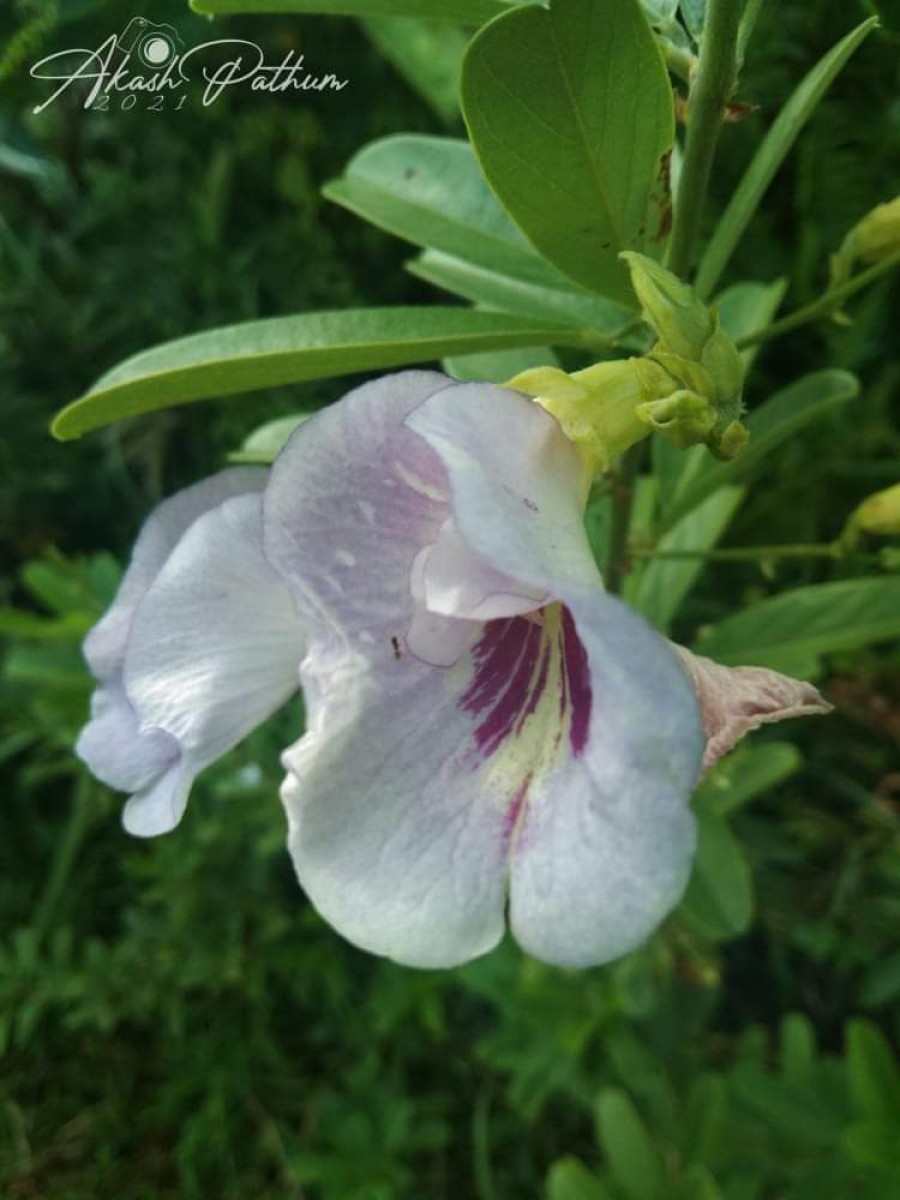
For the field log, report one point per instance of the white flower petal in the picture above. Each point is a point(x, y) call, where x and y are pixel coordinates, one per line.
point(604, 841)
point(115, 749)
point(215, 644)
point(104, 647)
point(517, 483)
point(352, 499)
point(389, 830)
point(159, 807)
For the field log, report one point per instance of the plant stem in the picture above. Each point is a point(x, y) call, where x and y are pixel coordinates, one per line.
point(826, 303)
point(64, 859)
point(622, 498)
point(706, 108)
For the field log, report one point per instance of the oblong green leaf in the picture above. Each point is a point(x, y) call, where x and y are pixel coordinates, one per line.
point(807, 622)
point(428, 56)
point(779, 418)
point(873, 1071)
point(430, 191)
point(718, 902)
point(666, 582)
point(492, 290)
point(749, 771)
point(284, 350)
point(569, 1179)
point(628, 1147)
point(470, 12)
point(772, 152)
point(576, 151)
point(264, 444)
point(497, 366)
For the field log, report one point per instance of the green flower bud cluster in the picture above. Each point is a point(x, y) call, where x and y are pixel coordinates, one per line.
point(706, 374)
point(688, 388)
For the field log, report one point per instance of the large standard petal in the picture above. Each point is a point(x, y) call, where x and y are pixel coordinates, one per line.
point(735, 700)
point(351, 500)
point(104, 647)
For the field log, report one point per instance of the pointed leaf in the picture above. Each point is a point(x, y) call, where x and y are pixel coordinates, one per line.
point(628, 1147)
point(430, 191)
point(489, 289)
point(783, 416)
point(569, 1179)
point(577, 154)
point(427, 55)
point(262, 354)
point(666, 582)
point(472, 12)
point(772, 152)
point(874, 1073)
point(805, 623)
point(719, 900)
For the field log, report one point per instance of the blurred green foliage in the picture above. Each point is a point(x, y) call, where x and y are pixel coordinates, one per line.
point(174, 1019)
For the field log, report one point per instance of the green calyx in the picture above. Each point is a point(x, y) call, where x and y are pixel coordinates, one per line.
point(600, 408)
point(704, 401)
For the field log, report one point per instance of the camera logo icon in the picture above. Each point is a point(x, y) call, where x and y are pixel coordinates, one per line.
point(155, 45)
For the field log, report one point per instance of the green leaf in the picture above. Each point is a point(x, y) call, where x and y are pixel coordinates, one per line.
point(499, 365)
point(805, 623)
point(797, 1049)
point(873, 1144)
point(874, 1074)
point(785, 415)
point(265, 443)
point(718, 902)
point(430, 191)
point(284, 350)
point(428, 56)
point(666, 582)
point(881, 982)
point(772, 152)
point(746, 308)
point(569, 306)
point(705, 1117)
point(628, 1147)
point(577, 154)
point(569, 1179)
point(749, 771)
point(470, 12)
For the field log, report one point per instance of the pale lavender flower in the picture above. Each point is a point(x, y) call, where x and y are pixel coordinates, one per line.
point(489, 731)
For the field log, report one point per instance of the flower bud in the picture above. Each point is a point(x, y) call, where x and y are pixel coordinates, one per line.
point(879, 513)
point(870, 240)
point(705, 403)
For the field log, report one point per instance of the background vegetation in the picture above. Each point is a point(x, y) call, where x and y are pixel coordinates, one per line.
point(174, 1019)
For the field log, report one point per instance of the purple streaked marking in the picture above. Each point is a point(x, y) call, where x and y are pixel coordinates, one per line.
point(512, 666)
point(577, 674)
